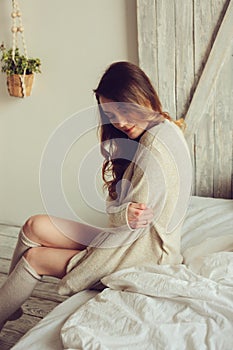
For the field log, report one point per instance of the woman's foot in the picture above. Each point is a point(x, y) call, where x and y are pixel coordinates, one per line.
point(16, 315)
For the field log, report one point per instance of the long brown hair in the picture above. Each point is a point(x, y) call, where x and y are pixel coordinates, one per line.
point(126, 83)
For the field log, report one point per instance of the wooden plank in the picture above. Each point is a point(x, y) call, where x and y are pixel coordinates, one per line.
point(232, 175)
point(34, 310)
point(38, 307)
point(9, 337)
point(26, 322)
point(166, 51)
point(207, 19)
point(9, 230)
point(207, 15)
point(4, 266)
point(192, 148)
point(212, 38)
point(211, 71)
point(184, 54)
point(205, 148)
point(223, 164)
point(13, 331)
point(147, 40)
point(7, 245)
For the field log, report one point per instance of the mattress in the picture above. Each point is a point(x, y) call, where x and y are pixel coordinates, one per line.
point(206, 233)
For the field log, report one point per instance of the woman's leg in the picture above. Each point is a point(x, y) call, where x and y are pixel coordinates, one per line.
point(17, 289)
point(49, 261)
point(28, 271)
point(42, 230)
point(50, 231)
point(22, 245)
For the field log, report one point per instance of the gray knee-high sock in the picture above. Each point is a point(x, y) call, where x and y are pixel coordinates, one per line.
point(17, 289)
point(23, 244)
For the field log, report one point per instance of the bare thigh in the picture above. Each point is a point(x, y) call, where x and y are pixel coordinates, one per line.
point(55, 232)
point(49, 261)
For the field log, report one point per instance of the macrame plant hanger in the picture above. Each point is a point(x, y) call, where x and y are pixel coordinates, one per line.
point(18, 29)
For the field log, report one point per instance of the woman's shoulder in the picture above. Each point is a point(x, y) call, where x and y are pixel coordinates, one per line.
point(166, 134)
point(171, 129)
point(160, 132)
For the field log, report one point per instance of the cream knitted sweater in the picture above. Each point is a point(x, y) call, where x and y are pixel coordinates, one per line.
point(160, 176)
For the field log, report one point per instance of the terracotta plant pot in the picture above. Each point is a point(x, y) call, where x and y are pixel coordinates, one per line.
point(15, 85)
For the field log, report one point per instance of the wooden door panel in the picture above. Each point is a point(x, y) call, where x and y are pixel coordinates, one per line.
point(186, 48)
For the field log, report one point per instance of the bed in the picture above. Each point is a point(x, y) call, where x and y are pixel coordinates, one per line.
point(189, 306)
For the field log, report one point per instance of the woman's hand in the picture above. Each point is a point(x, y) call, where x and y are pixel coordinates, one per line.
point(139, 215)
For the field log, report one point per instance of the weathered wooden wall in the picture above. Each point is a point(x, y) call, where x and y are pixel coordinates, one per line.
point(186, 48)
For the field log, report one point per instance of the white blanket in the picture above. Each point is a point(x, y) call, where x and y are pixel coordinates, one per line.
point(207, 230)
point(159, 307)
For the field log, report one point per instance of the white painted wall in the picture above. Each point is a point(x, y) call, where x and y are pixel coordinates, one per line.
point(76, 40)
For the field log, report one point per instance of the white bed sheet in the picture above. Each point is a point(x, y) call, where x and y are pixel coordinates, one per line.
point(45, 335)
point(207, 229)
point(158, 307)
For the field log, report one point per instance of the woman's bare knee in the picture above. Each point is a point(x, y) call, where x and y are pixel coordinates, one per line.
point(57, 232)
point(34, 228)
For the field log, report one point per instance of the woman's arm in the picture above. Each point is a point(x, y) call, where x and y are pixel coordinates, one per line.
point(142, 191)
point(139, 215)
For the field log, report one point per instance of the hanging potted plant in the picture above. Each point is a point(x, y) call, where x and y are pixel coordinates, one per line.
point(19, 67)
point(19, 70)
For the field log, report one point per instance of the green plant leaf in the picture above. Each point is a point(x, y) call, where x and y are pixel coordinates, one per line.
point(20, 65)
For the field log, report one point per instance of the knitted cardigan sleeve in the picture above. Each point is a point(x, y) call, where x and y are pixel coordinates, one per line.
point(143, 182)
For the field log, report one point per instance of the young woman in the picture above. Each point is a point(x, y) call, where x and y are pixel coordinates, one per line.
point(147, 172)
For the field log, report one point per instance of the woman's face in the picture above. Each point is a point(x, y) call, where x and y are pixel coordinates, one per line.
point(122, 119)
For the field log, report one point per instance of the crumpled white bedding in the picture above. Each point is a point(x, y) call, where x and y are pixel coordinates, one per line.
point(208, 228)
point(180, 321)
point(159, 307)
